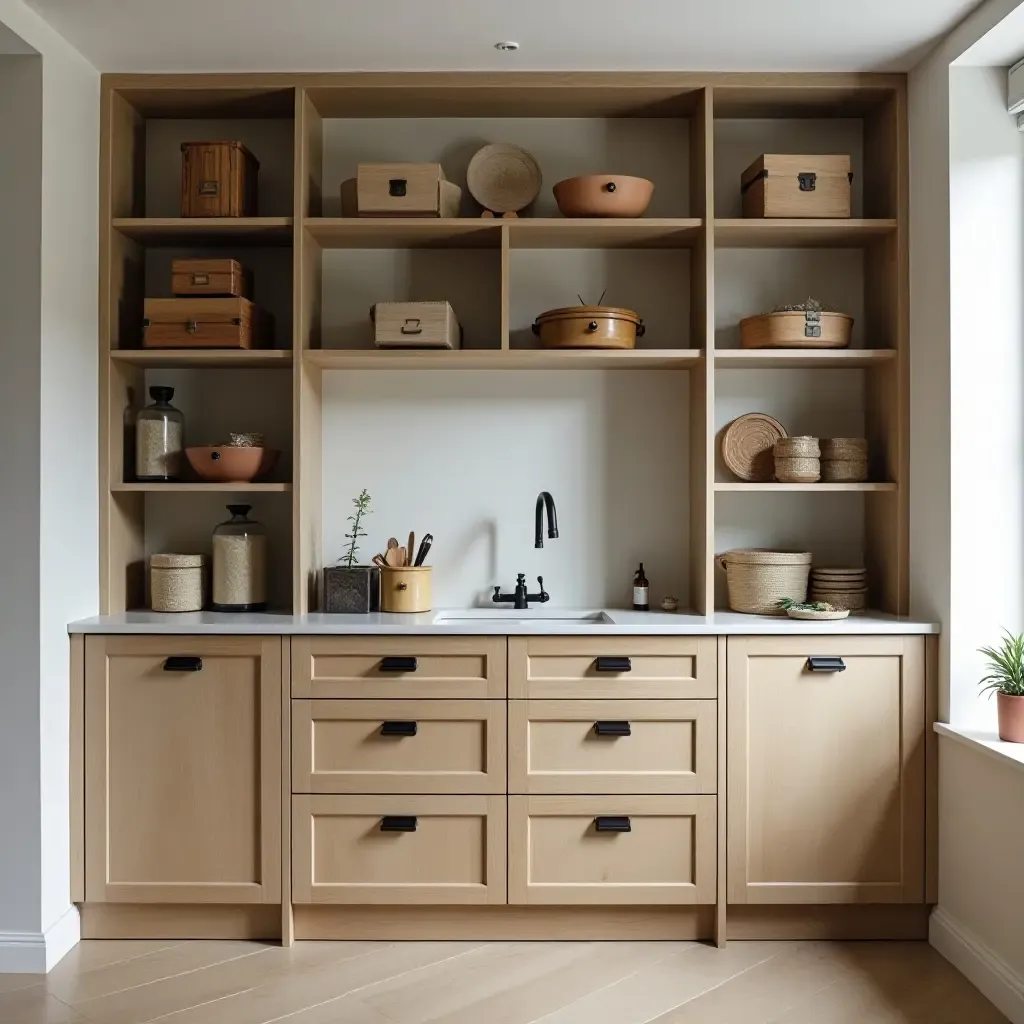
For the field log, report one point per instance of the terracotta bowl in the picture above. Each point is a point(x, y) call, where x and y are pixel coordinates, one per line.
point(604, 195)
point(224, 464)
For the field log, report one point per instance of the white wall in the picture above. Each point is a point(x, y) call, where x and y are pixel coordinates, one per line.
point(62, 437)
point(463, 455)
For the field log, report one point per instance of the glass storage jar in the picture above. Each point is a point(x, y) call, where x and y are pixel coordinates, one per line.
point(240, 563)
point(159, 439)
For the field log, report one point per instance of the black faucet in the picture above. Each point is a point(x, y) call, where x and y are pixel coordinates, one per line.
point(520, 599)
point(544, 500)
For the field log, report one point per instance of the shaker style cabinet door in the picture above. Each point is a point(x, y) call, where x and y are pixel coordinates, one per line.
point(826, 769)
point(183, 769)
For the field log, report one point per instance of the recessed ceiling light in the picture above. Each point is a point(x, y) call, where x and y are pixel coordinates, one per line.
point(508, 45)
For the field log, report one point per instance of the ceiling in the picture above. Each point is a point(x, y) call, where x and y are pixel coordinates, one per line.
point(454, 35)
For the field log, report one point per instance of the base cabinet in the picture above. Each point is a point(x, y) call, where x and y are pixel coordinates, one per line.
point(826, 770)
point(183, 769)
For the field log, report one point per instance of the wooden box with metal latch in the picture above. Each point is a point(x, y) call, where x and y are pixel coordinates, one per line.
point(218, 179)
point(777, 185)
point(400, 190)
point(211, 278)
point(415, 325)
point(201, 323)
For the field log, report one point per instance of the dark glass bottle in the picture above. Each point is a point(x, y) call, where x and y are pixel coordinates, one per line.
point(641, 591)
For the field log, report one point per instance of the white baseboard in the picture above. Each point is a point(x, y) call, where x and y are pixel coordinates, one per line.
point(980, 964)
point(39, 952)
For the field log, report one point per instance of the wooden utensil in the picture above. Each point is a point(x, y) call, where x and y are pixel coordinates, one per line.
point(410, 551)
point(403, 557)
point(392, 558)
point(379, 560)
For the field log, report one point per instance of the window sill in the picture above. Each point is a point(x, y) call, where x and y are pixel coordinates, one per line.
point(987, 743)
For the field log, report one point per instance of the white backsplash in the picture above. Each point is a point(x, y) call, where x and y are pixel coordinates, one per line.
point(463, 455)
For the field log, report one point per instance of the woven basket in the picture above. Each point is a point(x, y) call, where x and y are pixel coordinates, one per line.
point(854, 600)
point(759, 580)
point(853, 448)
point(747, 446)
point(797, 448)
point(797, 471)
point(838, 471)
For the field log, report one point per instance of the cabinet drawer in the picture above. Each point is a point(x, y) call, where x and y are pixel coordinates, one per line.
point(407, 666)
point(398, 746)
point(616, 667)
point(398, 849)
point(565, 849)
point(613, 746)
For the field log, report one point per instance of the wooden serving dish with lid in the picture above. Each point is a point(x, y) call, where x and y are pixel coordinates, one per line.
point(588, 327)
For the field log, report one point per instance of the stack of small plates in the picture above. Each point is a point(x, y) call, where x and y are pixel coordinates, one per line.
point(841, 588)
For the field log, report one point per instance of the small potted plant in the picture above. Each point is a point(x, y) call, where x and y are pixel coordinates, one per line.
point(1006, 679)
point(350, 588)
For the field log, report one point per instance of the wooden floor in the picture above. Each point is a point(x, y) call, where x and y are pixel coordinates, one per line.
point(121, 982)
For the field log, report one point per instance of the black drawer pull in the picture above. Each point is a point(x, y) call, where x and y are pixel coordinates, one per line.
point(613, 729)
point(398, 823)
point(825, 663)
point(612, 823)
point(398, 664)
point(398, 728)
point(179, 663)
point(614, 665)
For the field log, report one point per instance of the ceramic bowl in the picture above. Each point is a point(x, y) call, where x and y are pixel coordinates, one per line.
point(604, 195)
point(222, 463)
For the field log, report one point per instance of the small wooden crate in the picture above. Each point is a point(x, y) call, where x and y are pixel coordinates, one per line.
point(210, 278)
point(400, 190)
point(200, 323)
point(415, 325)
point(778, 185)
point(218, 179)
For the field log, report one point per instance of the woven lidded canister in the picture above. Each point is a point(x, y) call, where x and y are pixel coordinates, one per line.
point(176, 582)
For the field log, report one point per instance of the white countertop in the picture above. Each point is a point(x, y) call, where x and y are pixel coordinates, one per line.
point(477, 621)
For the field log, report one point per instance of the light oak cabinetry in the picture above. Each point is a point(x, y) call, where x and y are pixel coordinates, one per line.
point(183, 769)
point(826, 770)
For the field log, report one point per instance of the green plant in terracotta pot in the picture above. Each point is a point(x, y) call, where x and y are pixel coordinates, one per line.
point(351, 588)
point(1005, 679)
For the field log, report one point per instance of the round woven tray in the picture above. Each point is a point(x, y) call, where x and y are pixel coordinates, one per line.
point(797, 471)
point(759, 580)
point(812, 616)
point(747, 445)
point(503, 178)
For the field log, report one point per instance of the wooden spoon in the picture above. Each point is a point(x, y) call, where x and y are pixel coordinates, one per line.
point(410, 551)
point(403, 557)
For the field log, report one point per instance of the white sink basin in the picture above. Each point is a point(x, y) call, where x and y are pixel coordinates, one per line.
point(471, 616)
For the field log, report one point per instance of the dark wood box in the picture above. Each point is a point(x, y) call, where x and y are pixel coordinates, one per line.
point(218, 179)
point(201, 323)
point(211, 278)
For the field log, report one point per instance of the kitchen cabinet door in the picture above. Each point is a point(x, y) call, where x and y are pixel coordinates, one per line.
point(826, 769)
point(183, 769)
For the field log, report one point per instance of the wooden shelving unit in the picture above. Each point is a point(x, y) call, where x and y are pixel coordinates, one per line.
point(298, 221)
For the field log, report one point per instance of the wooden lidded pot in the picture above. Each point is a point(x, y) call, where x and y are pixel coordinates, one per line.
point(588, 327)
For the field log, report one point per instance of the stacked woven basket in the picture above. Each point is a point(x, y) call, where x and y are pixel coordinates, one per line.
point(841, 588)
point(844, 459)
point(797, 460)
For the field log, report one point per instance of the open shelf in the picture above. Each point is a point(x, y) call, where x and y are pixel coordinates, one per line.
point(507, 359)
point(805, 359)
point(778, 488)
point(201, 231)
point(197, 358)
point(780, 233)
point(201, 488)
point(485, 233)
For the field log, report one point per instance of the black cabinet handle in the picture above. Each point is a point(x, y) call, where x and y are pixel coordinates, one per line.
point(613, 729)
point(614, 665)
point(398, 823)
point(397, 664)
point(825, 663)
point(612, 823)
point(179, 663)
point(398, 728)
